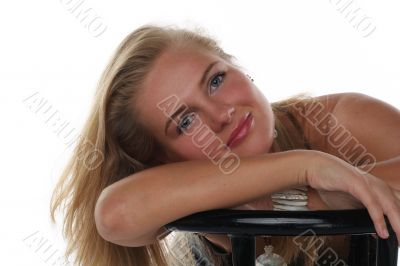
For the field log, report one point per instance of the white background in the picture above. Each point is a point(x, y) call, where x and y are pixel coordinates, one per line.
point(287, 47)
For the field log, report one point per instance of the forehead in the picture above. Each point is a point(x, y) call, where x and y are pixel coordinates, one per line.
point(175, 72)
point(177, 66)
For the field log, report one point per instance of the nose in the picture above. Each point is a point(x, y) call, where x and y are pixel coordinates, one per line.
point(221, 115)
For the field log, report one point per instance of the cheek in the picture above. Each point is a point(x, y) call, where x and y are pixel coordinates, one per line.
point(187, 150)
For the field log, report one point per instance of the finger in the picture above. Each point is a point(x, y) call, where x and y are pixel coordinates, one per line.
point(391, 207)
point(375, 210)
point(393, 214)
point(378, 219)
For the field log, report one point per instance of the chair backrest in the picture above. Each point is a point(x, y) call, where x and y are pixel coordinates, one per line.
point(242, 226)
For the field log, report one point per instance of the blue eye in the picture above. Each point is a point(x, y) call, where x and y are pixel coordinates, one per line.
point(187, 119)
point(185, 122)
point(216, 81)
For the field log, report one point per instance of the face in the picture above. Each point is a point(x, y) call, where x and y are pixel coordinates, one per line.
point(216, 105)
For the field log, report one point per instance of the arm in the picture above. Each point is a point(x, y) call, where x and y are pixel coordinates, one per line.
point(131, 211)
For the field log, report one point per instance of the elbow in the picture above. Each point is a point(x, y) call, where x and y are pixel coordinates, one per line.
point(105, 217)
point(115, 225)
point(109, 217)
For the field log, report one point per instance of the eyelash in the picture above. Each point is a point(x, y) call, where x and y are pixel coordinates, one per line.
point(190, 113)
point(219, 74)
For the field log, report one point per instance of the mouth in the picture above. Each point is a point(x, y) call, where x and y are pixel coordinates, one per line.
point(241, 130)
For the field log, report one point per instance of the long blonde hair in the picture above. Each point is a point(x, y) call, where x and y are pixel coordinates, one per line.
point(113, 144)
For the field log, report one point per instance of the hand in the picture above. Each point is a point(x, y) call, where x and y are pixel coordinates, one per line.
point(337, 200)
point(328, 173)
point(331, 200)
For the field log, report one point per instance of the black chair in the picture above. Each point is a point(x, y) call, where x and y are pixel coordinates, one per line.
point(242, 226)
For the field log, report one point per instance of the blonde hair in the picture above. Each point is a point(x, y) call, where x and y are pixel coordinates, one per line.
point(114, 144)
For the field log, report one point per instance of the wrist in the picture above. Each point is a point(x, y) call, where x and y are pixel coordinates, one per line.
point(305, 159)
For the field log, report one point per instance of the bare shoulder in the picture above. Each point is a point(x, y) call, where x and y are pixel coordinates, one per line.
point(314, 115)
point(350, 126)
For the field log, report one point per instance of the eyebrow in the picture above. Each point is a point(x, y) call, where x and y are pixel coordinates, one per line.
point(183, 107)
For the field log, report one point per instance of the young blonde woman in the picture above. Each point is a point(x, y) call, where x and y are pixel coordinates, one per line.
point(177, 127)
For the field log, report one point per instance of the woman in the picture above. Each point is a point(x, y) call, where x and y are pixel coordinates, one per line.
point(142, 163)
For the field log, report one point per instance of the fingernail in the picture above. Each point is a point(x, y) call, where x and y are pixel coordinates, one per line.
point(385, 233)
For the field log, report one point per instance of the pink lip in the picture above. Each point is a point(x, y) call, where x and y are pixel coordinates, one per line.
point(241, 130)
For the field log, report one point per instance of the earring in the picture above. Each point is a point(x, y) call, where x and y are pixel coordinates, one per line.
point(252, 80)
point(275, 133)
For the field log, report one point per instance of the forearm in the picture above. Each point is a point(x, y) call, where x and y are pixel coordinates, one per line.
point(154, 197)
